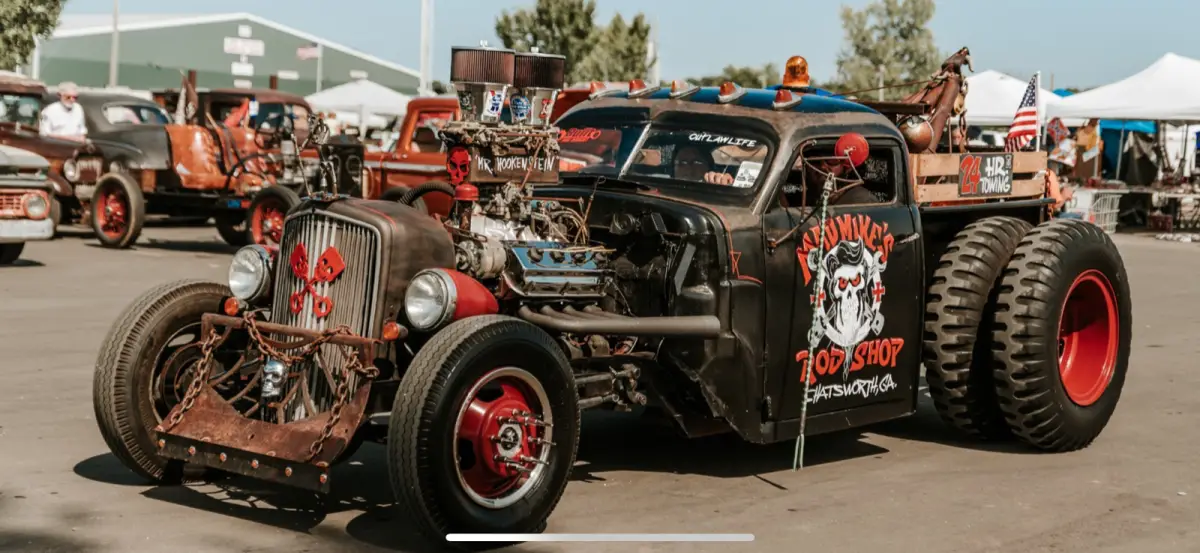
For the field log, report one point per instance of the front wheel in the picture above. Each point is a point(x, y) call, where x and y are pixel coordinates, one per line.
point(118, 211)
point(144, 367)
point(1062, 335)
point(267, 213)
point(484, 430)
point(10, 253)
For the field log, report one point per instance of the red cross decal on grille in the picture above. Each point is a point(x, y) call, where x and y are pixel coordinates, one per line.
point(877, 291)
point(329, 266)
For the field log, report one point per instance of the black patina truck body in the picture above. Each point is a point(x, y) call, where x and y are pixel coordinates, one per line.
point(752, 261)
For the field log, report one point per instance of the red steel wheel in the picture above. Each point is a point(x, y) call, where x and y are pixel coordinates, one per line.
point(503, 437)
point(1088, 337)
point(268, 212)
point(117, 211)
point(266, 223)
point(112, 212)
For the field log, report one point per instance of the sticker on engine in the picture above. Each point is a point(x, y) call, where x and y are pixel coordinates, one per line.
point(747, 174)
point(493, 103)
point(520, 108)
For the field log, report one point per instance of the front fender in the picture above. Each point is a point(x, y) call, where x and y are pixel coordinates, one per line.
point(60, 185)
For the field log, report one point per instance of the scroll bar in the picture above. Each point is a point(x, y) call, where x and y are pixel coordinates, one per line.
point(599, 537)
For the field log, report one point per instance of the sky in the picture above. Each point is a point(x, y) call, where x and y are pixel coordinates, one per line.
point(1075, 43)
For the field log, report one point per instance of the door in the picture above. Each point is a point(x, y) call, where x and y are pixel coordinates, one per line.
point(417, 156)
point(865, 278)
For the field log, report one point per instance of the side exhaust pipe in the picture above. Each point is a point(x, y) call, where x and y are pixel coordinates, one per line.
point(593, 320)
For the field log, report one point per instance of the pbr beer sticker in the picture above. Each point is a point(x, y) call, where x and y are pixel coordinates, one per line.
point(845, 279)
point(520, 108)
point(493, 103)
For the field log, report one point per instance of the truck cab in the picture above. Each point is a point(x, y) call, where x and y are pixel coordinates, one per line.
point(26, 197)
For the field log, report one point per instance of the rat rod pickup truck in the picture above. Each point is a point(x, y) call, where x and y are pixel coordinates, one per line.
point(774, 263)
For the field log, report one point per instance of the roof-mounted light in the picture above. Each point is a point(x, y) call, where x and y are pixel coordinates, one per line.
point(638, 89)
point(729, 92)
point(786, 99)
point(681, 89)
point(600, 90)
point(795, 73)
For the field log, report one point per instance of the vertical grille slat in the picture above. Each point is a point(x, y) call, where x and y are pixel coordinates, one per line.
point(354, 293)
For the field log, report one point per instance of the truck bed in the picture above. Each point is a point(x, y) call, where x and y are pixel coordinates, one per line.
point(977, 177)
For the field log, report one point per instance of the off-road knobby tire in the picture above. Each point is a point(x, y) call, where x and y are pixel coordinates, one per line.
point(421, 430)
point(10, 253)
point(958, 325)
point(136, 216)
point(395, 193)
point(1029, 307)
point(233, 228)
point(127, 363)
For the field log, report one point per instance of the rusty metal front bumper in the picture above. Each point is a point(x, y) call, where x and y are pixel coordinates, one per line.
point(214, 434)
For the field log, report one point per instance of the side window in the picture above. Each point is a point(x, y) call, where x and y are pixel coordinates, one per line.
point(880, 177)
point(423, 138)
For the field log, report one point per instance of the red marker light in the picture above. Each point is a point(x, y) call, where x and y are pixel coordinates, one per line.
point(728, 88)
point(636, 85)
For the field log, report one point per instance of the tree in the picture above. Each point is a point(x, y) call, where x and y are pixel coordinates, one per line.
point(888, 39)
point(21, 21)
point(620, 53)
point(568, 27)
point(750, 77)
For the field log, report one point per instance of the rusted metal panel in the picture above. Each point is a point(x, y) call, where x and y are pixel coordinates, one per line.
point(514, 165)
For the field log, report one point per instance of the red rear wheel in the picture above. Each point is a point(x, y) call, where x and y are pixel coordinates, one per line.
point(112, 212)
point(1088, 337)
point(118, 210)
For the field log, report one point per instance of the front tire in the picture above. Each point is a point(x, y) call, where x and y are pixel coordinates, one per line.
point(128, 370)
point(1063, 330)
point(118, 211)
point(464, 421)
point(10, 253)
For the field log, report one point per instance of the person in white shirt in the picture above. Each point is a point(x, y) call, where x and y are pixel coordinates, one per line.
point(64, 118)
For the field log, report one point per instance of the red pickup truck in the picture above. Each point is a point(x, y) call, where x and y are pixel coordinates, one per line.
point(415, 156)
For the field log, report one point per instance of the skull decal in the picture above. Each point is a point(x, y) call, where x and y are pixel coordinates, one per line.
point(458, 164)
point(850, 297)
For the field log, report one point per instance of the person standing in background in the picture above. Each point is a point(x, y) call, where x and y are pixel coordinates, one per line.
point(64, 118)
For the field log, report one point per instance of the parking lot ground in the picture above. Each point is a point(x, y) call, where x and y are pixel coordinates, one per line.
point(907, 485)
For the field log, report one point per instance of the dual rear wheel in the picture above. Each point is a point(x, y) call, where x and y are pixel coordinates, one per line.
point(1027, 331)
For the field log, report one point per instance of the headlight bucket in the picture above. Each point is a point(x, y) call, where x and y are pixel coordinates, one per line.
point(250, 273)
point(70, 170)
point(36, 206)
point(430, 300)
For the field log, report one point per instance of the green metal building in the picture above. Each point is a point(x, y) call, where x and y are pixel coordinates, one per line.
point(226, 50)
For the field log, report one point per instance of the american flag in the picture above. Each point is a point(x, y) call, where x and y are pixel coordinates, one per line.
point(312, 51)
point(1025, 123)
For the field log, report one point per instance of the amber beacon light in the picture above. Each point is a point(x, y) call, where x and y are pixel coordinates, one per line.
point(795, 73)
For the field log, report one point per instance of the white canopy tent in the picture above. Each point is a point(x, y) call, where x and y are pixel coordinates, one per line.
point(360, 102)
point(1167, 90)
point(993, 98)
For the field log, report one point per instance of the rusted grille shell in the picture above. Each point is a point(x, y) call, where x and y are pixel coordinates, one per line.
point(482, 65)
point(354, 293)
point(539, 71)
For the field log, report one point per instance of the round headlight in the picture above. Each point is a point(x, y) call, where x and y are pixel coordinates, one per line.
point(71, 170)
point(430, 299)
point(250, 273)
point(36, 206)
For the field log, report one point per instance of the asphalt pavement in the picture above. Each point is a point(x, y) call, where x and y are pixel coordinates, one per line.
point(907, 485)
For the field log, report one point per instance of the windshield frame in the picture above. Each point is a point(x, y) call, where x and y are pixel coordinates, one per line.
point(678, 121)
point(36, 100)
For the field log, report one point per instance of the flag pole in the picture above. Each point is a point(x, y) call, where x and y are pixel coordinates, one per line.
point(1041, 115)
point(320, 62)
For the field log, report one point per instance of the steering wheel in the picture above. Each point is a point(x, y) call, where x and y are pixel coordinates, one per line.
point(271, 129)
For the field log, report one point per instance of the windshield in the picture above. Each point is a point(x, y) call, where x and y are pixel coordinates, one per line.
point(135, 114)
point(661, 152)
point(20, 109)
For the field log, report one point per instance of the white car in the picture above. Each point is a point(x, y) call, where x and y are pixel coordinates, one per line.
point(26, 197)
